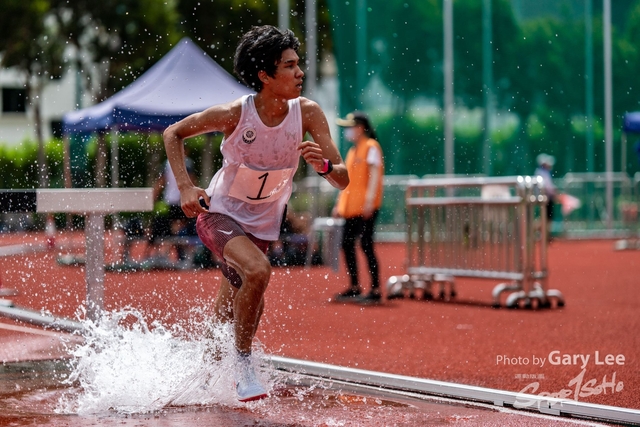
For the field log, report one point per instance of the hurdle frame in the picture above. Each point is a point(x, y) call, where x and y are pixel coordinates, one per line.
point(438, 238)
point(94, 204)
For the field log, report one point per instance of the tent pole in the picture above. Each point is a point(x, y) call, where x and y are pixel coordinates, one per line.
point(207, 161)
point(115, 172)
point(153, 169)
point(101, 162)
point(66, 161)
point(66, 170)
point(623, 159)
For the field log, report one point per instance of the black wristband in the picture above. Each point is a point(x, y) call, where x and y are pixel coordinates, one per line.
point(329, 169)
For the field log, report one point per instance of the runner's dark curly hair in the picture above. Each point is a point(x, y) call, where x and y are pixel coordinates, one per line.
point(260, 49)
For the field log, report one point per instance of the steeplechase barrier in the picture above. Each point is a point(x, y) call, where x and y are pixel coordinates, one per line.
point(308, 372)
point(486, 228)
point(94, 204)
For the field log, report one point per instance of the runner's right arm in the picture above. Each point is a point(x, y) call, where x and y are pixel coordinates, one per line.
point(219, 118)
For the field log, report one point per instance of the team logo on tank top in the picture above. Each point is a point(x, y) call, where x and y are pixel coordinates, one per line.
point(249, 135)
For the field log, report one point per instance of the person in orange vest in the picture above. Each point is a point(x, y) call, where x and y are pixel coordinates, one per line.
point(360, 203)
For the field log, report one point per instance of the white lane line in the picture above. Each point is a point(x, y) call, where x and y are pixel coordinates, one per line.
point(22, 249)
point(34, 331)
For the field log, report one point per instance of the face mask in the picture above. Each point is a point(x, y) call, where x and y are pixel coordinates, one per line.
point(350, 134)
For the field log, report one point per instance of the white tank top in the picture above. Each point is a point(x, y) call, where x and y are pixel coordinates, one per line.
point(255, 181)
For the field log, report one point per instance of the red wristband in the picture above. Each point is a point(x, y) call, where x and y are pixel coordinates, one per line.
point(325, 167)
point(328, 167)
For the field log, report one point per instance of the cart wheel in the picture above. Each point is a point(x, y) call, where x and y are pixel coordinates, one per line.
point(395, 294)
point(518, 300)
point(545, 303)
point(555, 298)
point(395, 287)
point(555, 302)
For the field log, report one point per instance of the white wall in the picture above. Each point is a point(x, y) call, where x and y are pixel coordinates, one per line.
point(58, 97)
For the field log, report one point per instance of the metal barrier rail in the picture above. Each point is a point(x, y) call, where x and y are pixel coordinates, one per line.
point(472, 395)
point(480, 228)
point(631, 218)
point(591, 219)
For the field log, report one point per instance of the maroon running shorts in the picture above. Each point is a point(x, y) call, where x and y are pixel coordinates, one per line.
point(215, 231)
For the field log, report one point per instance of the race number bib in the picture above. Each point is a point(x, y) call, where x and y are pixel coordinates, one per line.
point(252, 186)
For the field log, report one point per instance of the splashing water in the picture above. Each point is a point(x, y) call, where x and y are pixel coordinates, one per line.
point(129, 366)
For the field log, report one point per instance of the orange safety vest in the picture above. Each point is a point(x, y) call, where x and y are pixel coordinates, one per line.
point(351, 199)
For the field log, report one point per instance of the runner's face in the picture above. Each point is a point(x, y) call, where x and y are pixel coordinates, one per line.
point(288, 75)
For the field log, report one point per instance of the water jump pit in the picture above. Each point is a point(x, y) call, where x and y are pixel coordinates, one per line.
point(42, 394)
point(126, 372)
point(41, 398)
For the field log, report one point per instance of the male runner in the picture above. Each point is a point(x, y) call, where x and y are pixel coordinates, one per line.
point(247, 197)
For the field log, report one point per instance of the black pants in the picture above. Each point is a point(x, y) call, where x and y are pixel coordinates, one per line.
point(361, 228)
point(550, 204)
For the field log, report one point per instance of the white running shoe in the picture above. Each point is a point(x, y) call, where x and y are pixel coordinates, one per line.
point(248, 387)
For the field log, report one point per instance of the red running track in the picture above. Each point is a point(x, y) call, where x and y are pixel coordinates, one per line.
point(465, 342)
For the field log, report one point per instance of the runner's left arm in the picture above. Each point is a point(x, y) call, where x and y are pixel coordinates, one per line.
point(322, 146)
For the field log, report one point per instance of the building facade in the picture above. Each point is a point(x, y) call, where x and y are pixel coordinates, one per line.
point(17, 118)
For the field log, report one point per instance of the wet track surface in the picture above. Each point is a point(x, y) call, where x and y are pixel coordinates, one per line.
point(30, 393)
point(465, 342)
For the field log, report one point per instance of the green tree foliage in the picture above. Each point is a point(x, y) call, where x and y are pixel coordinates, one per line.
point(468, 16)
point(218, 25)
point(30, 43)
point(123, 38)
point(539, 77)
point(22, 27)
point(538, 65)
point(405, 50)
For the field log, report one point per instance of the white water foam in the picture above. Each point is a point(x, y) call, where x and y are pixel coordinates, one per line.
point(129, 366)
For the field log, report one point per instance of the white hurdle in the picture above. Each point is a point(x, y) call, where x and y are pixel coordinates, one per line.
point(94, 204)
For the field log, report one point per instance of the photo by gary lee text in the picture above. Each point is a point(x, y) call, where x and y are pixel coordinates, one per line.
point(557, 358)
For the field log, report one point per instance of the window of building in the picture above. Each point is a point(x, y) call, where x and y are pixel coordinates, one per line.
point(56, 128)
point(14, 100)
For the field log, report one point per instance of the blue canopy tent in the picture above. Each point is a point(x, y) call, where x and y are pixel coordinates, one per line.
point(186, 80)
point(183, 82)
point(631, 124)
